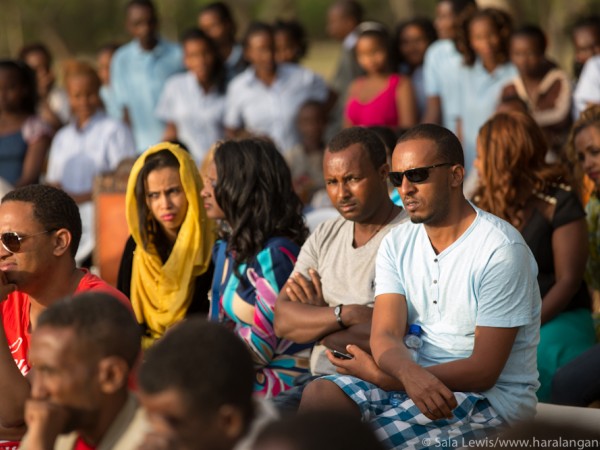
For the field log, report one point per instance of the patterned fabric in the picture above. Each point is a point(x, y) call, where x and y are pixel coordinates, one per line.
point(247, 304)
point(398, 423)
point(592, 272)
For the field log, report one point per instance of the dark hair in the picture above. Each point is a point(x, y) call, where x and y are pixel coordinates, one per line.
point(458, 6)
point(36, 47)
point(150, 231)
point(296, 32)
point(590, 21)
point(426, 26)
point(217, 76)
point(254, 190)
point(323, 430)
point(256, 28)
point(387, 136)
point(221, 10)
point(368, 140)
point(26, 78)
point(75, 69)
point(379, 32)
point(208, 364)
point(143, 3)
point(448, 145)
point(52, 207)
point(102, 324)
point(533, 32)
point(351, 8)
point(500, 20)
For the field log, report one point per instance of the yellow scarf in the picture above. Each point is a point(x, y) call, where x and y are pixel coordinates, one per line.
point(161, 294)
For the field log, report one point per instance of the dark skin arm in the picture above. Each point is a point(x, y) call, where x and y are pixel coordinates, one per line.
point(430, 388)
point(302, 315)
point(570, 250)
point(433, 111)
point(34, 161)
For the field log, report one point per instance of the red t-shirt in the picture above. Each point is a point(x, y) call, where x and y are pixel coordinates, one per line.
point(80, 444)
point(15, 316)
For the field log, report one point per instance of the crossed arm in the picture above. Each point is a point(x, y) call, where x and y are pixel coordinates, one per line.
point(302, 315)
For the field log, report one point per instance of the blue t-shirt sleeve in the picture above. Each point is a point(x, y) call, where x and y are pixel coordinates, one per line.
point(508, 294)
point(388, 275)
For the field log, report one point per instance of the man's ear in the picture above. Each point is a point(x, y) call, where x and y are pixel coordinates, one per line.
point(384, 170)
point(231, 422)
point(113, 374)
point(457, 175)
point(62, 241)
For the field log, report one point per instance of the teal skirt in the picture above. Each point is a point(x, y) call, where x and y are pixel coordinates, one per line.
point(563, 338)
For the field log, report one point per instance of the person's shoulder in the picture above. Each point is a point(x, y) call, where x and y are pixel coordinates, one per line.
point(280, 243)
point(121, 54)
point(108, 125)
point(91, 282)
point(245, 77)
point(494, 230)
point(402, 232)
point(177, 80)
point(330, 229)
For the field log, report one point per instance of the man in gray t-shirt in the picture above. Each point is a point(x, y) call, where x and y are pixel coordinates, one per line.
point(329, 297)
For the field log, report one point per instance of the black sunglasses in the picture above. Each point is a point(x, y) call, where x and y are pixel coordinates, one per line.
point(416, 175)
point(11, 240)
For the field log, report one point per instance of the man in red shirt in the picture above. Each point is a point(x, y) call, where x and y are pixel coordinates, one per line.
point(40, 229)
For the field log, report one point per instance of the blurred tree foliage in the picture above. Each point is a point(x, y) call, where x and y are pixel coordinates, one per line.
point(76, 27)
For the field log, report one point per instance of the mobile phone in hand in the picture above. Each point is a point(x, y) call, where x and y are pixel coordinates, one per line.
point(341, 355)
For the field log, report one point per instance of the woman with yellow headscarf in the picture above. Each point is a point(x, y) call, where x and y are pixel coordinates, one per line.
point(166, 267)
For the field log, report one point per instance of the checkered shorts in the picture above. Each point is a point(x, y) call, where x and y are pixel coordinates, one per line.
point(399, 424)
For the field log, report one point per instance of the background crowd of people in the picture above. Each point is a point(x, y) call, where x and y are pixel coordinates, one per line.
point(236, 156)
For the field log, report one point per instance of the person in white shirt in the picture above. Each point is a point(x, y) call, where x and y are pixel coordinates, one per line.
point(193, 103)
point(266, 97)
point(91, 144)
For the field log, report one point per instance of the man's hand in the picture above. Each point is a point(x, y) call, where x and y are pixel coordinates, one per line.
point(363, 366)
point(5, 287)
point(431, 396)
point(45, 421)
point(300, 289)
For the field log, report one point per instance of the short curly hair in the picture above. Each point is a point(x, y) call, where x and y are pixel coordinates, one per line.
point(52, 207)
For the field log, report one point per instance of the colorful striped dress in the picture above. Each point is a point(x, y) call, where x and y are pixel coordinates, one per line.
point(247, 304)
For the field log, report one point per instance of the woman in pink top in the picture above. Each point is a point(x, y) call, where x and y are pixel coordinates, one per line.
point(380, 97)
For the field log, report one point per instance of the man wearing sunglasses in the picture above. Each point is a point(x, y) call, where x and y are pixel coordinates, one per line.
point(469, 280)
point(329, 297)
point(40, 229)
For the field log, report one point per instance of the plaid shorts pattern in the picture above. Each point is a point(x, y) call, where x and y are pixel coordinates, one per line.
point(399, 424)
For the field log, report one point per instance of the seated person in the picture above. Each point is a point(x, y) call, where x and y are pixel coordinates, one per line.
point(544, 87)
point(329, 296)
point(24, 137)
point(469, 280)
point(196, 385)
point(166, 268)
point(40, 232)
point(92, 144)
point(84, 350)
point(249, 187)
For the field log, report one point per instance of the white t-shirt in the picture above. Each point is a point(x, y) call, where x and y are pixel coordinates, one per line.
point(77, 155)
point(198, 115)
point(488, 277)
